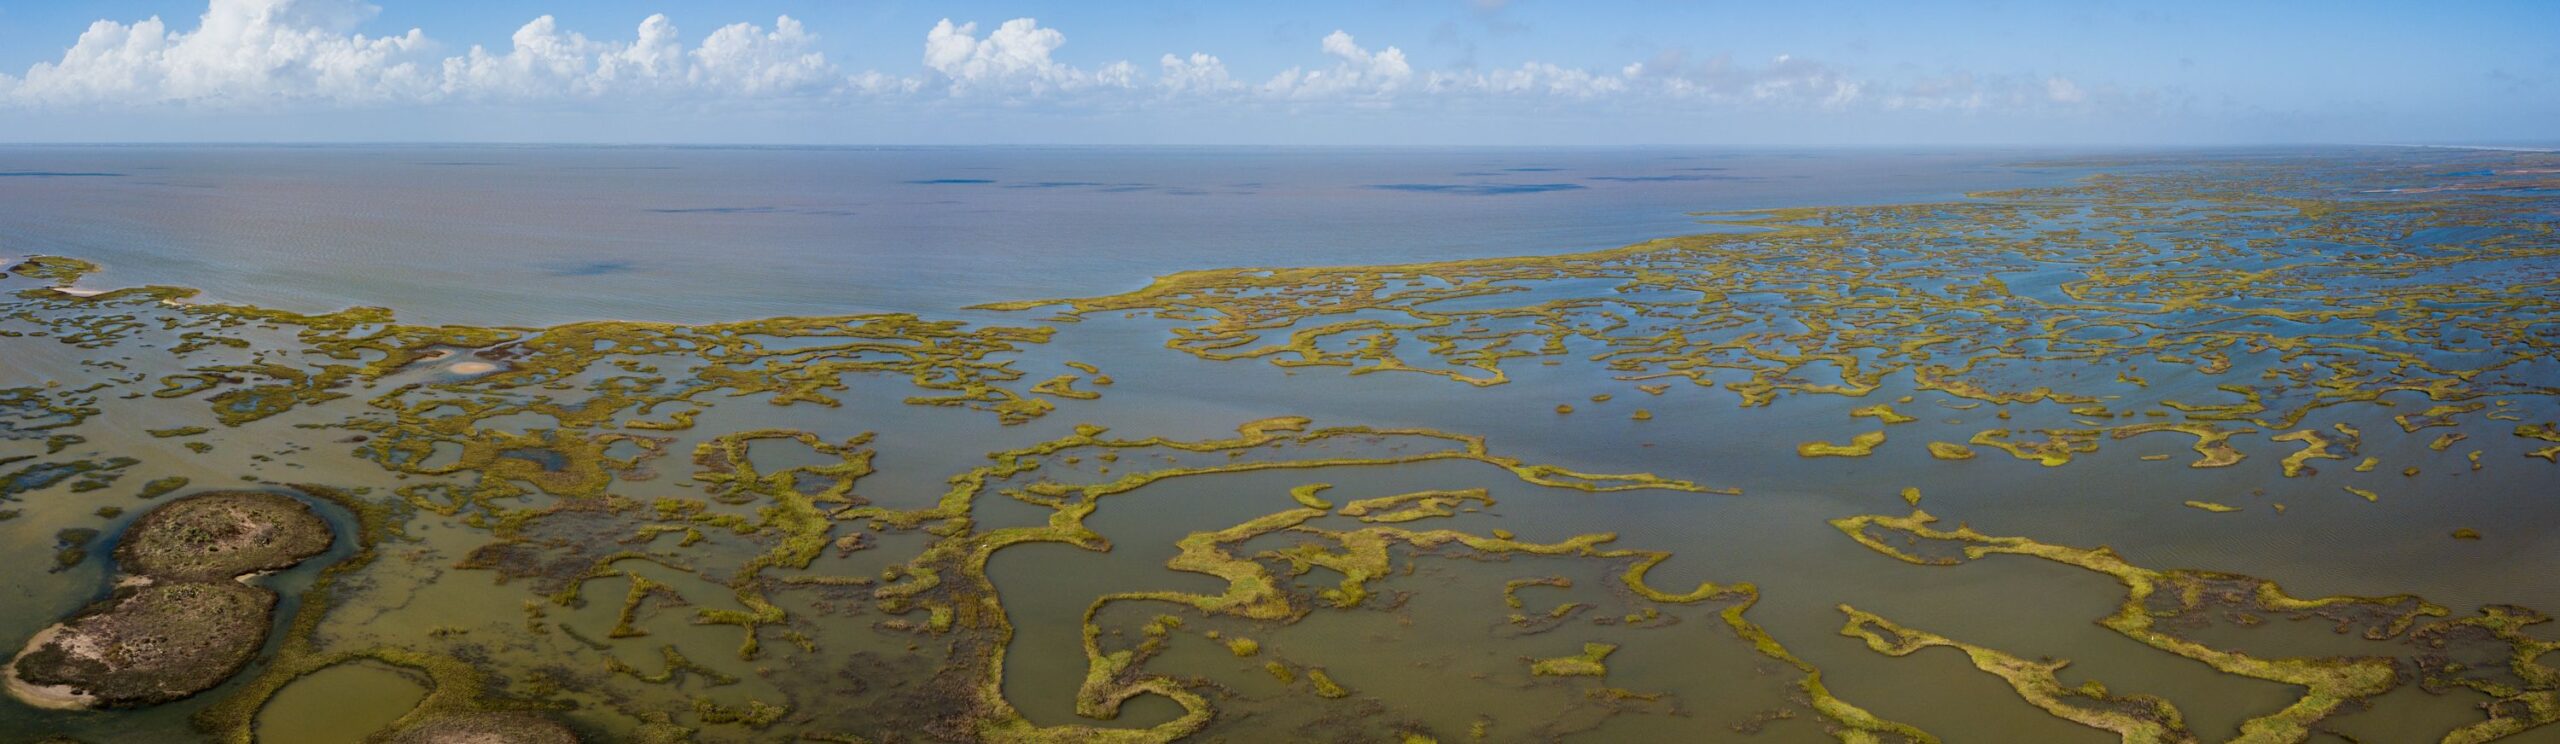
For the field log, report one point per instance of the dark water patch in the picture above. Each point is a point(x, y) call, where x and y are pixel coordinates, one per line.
point(1099, 187)
point(1477, 189)
point(373, 235)
point(58, 174)
point(590, 268)
point(715, 210)
point(95, 474)
point(549, 460)
point(753, 210)
point(462, 163)
point(951, 181)
point(1535, 169)
point(1668, 178)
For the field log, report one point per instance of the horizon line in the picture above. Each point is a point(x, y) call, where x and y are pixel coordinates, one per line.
point(677, 144)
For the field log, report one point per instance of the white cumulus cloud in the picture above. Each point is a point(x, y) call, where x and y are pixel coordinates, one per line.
point(283, 54)
point(1536, 79)
point(1013, 59)
point(737, 60)
point(1198, 74)
point(1356, 72)
point(245, 51)
point(1785, 80)
point(2062, 90)
point(752, 61)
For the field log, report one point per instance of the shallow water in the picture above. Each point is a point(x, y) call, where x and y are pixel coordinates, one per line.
point(581, 567)
point(339, 704)
point(540, 235)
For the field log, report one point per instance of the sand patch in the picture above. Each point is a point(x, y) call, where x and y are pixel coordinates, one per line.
point(50, 697)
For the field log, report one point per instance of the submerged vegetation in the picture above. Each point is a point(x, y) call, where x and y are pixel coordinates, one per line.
point(2489, 654)
point(2214, 302)
point(759, 530)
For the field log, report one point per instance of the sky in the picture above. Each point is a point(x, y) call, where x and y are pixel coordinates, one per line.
point(1320, 72)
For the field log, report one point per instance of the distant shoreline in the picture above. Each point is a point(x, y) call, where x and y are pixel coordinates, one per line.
point(2493, 148)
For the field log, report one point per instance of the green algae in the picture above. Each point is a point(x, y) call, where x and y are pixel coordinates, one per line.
point(488, 728)
point(2130, 312)
point(1406, 507)
point(797, 507)
point(2158, 603)
point(56, 270)
point(2056, 449)
point(955, 365)
point(456, 687)
point(2171, 268)
point(82, 475)
point(162, 487)
point(642, 590)
point(71, 547)
point(1859, 446)
point(2213, 443)
point(1590, 663)
point(1883, 412)
point(1306, 495)
point(1323, 684)
point(754, 714)
point(2138, 719)
point(949, 577)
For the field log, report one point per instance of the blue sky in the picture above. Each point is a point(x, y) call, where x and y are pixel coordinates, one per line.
point(1526, 72)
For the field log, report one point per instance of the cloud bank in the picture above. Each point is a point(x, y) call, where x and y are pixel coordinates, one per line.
point(285, 54)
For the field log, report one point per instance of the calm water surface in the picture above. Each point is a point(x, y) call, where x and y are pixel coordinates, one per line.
point(527, 237)
point(533, 235)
